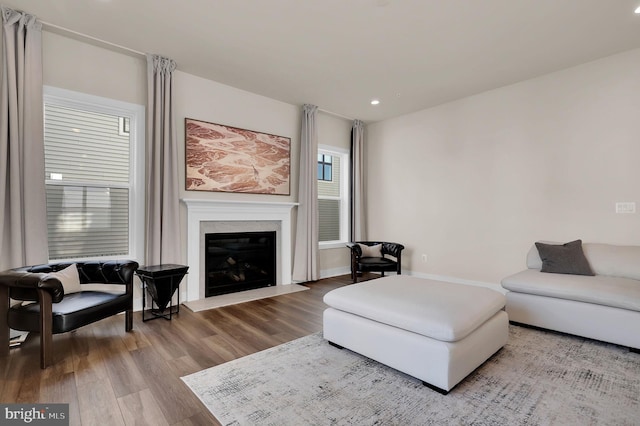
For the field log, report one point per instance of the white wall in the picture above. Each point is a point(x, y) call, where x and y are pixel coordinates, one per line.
point(210, 101)
point(473, 183)
point(73, 64)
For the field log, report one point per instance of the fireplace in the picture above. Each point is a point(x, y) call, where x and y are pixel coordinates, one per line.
point(238, 261)
point(222, 216)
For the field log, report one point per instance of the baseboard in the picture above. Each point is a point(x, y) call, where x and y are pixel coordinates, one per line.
point(334, 272)
point(137, 304)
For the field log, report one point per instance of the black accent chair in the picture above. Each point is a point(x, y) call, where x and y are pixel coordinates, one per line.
point(382, 264)
point(56, 312)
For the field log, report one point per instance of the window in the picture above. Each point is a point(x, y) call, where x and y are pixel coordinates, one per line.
point(325, 167)
point(333, 188)
point(94, 172)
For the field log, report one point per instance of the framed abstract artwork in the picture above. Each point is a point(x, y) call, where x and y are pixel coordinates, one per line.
point(229, 159)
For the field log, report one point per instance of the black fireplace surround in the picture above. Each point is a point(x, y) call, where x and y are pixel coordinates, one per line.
point(238, 261)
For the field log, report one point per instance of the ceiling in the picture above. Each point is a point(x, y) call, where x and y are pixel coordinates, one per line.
point(341, 54)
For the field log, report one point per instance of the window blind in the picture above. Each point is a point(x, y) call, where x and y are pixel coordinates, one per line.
point(87, 172)
point(84, 146)
point(328, 220)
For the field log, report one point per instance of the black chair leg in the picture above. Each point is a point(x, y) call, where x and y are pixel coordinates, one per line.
point(128, 320)
point(4, 326)
point(46, 328)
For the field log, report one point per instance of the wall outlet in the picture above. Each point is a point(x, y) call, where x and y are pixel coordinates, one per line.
point(424, 258)
point(627, 207)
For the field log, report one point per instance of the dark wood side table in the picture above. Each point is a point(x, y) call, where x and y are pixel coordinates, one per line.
point(161, 282)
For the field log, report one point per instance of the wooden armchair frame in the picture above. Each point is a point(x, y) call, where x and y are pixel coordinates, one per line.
point(56, 313)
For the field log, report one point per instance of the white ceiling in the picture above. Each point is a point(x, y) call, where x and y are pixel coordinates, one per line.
point(340, 54)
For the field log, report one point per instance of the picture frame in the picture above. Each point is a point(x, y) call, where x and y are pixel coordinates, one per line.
point(223, 158)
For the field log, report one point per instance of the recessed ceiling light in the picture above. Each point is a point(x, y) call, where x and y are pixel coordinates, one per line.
point(375, 102)
point(638, 10)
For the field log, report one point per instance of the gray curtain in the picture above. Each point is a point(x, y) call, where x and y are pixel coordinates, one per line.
point(163, 222)
point(23, 233)
point(358, 222)
point(305, 260)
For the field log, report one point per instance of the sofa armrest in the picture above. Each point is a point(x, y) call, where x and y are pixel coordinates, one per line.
point(355, 249)
point(394, 249)
point(24, 285)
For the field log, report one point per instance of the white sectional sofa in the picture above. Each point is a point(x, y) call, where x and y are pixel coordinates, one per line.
point(604, 307)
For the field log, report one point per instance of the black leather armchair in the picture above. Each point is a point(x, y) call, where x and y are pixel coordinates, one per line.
point(56, 312)
point(376, 264)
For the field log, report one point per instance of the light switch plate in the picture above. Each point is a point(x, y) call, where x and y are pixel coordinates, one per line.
point(626, 207)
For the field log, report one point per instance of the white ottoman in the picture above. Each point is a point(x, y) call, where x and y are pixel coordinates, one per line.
point(435, 331)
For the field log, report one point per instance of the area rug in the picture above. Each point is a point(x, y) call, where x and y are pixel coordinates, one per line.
point(538, 378)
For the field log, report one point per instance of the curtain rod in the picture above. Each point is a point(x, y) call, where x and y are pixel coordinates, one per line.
point(48, 26)
point(336, 114)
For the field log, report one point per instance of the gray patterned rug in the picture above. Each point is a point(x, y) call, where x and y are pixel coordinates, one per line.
point(538, 378)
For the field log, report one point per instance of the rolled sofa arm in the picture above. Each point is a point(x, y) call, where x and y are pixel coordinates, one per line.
point(355, 249)
point(394, 249)
point(24, 285)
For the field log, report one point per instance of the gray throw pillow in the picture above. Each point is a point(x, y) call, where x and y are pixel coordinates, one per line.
point(564, 259)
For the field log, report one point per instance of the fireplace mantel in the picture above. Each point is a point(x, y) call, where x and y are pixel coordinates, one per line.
point(199, 211)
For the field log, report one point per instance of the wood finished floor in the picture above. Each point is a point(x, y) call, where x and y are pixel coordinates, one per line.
point(110, 377)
